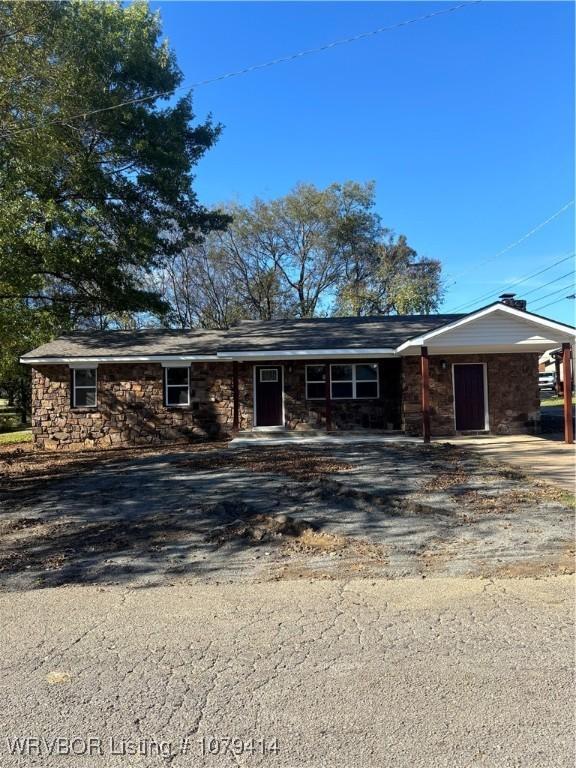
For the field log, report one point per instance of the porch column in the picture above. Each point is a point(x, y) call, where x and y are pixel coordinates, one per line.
point(328, 397)
point(236, 398)
point(557, 382)
point(567, 388)
point(425, 391)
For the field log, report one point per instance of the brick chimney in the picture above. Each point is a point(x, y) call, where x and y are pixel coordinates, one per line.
point(509, 298)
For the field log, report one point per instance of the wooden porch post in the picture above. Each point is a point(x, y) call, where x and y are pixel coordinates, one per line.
point(557, 382)
point(425, 390)
point(328, 397)
point(236, 397)
point(567, 388)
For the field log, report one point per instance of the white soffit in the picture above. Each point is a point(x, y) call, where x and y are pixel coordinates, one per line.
point(496, 328)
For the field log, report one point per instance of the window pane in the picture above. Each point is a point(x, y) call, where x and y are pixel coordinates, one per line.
point(315, 391)
point(177, 395)
point(269, 374)
point(367, 372)
point(315, 373)
point(342, 373)
point(341, 390)
point(366, 389)
point(177, 375)
point(85, 397)
point(85, 377)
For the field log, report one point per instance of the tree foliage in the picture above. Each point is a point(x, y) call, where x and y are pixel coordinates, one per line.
point(88, 204)
point(312, 252)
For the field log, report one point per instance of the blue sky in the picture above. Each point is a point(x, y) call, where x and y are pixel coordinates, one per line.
point(465, 121)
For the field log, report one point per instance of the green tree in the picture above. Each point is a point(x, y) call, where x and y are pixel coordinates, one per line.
point(314, 251)
point(90, 204)
point(386, 276)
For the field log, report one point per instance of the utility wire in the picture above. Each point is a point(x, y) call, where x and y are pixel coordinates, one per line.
point(253, 68)
point(535, 290)
point(553, 293)
point(509, 248)
point(554, 302)
point(518, 282)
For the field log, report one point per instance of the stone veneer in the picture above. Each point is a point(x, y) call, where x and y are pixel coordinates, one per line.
point(130, 406)
point(513, 394)
point(131, 411)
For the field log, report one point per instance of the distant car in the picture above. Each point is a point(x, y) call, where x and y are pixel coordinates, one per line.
point(546, 380)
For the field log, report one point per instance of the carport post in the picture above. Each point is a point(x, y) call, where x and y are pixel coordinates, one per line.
point(328, 397)
point(425, 383)
point(567, 388)
point(236, 409)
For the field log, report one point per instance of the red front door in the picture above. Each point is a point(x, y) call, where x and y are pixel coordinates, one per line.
point(269, 396)
point(469, 397)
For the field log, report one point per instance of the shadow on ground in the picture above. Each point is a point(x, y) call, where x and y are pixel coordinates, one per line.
point(212, 514)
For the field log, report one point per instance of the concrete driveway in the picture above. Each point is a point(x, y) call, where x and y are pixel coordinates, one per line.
point(545, 457)
point(406, 674)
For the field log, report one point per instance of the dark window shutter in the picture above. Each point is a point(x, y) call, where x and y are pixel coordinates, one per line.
point(71, 387)
point(164, 387)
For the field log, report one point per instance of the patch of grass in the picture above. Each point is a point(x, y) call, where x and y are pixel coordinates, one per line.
point(23, 436)
point(555, 401)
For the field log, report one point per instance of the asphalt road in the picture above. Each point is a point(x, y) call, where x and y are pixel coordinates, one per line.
point(444, 672)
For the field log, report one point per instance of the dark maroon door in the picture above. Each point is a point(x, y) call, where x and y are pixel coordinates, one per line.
point(469, 397)
point(269, 396)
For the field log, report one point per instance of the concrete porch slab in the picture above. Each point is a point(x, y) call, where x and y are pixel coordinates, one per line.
point(316, 437)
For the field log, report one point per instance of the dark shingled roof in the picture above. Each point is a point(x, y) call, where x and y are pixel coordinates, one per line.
point(140, 343)
point(386, 331)
point(251, 335)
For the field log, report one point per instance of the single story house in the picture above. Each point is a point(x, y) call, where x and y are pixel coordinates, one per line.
point(420, 374)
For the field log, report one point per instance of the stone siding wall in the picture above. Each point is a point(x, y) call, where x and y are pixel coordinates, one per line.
point(513, 394)
point(130, 406)
point(381, 413)
point(131, 411)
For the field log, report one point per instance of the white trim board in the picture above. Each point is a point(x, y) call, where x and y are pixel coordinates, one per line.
point(125, 359)
point(423, 339)
point(305, 354)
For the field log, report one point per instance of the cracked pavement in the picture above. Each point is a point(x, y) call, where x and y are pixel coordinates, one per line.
point(354, 674)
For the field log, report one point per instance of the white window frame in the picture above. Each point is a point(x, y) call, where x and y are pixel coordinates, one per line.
point(83, 386)
point(167, 386)
point(352, 381)
point(268, 381)
point(314, 381)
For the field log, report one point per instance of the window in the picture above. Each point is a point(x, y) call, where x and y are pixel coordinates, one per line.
point(347, 381)
point(84, 387)
point(177, 386)
point(315, 382)
point(269, 374)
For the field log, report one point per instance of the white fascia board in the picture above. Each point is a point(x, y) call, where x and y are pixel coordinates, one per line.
point(141, 359)
point(522, 314)
point(303, 354)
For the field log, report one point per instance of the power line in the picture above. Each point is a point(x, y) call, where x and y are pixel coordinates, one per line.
point(534, 290)
point(253, 68)
point(553, 293)
point(515, 283)
point(557, 301)
point(520, 281)
point(512, 245)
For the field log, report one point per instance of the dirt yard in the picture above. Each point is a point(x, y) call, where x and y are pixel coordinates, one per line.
point(209, 513)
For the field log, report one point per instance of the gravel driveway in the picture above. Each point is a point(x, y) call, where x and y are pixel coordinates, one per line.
point(438, 673)
point(368, 509)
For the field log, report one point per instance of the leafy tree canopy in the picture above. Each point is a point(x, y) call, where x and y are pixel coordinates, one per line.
point(88, 204)
point(313, 252)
